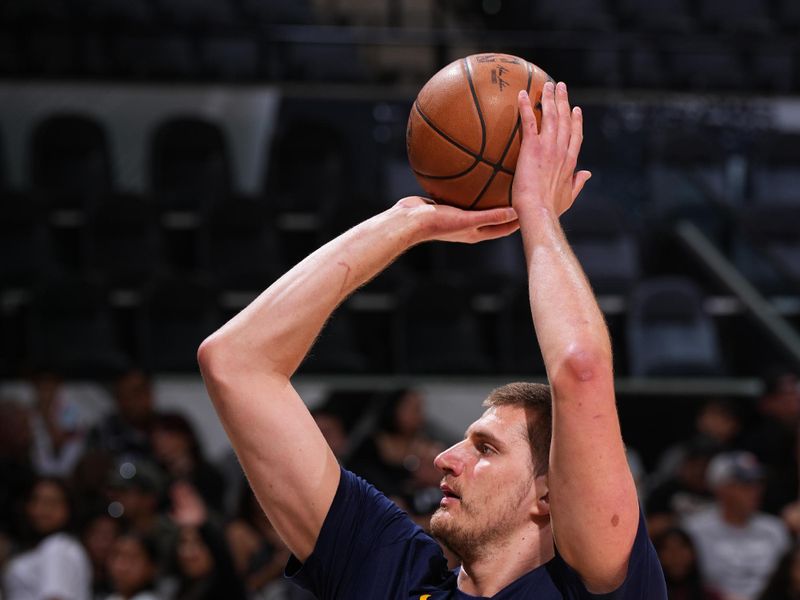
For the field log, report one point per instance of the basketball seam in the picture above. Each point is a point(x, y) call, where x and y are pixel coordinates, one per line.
point(476, 157)
point(477, 103)
point(506, 149)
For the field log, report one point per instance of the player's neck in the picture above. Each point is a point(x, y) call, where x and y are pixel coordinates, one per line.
point(499, 566)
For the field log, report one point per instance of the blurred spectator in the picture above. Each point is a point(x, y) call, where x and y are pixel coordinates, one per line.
point(90, 482)
point(98, 535)
point(126, 432)
point(774, 439)
point(136, 492)
point(738, 546)
point(717, 425)
point(58, 442)
point(681, 571)
point(16, 471)
point(202, 562)
point(686, 492)
point(398, 458)
point(51, 563)
point(177, 449)
point(132, 567)
point(785, 581)
point(259, 554)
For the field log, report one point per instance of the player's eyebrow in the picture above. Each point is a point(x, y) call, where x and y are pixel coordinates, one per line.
point(484, 435)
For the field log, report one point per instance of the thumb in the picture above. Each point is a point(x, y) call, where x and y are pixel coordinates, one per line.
point(578, 181)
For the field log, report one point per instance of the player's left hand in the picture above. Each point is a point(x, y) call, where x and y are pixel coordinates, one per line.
point(545, 175)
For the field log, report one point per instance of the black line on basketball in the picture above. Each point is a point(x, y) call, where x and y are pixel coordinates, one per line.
point(477, 107)
point(433, 126)
point(476, 157)
point(510, 141)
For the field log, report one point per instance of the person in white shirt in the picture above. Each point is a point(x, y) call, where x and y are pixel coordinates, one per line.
point(53, 565)
point(738, 546)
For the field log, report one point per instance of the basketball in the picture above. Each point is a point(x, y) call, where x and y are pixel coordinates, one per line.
point(463, 133)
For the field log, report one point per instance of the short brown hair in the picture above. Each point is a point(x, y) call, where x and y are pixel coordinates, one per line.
point(537, 402)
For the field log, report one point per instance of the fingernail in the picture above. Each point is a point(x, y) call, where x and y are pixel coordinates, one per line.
point(577, 110)
point(562, 86)
point(523, 94)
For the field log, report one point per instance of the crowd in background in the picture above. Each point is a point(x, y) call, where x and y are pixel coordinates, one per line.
point(132, 508)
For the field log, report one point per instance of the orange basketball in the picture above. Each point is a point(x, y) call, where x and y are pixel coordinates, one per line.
point(463, 133)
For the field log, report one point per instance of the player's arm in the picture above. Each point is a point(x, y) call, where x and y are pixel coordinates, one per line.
point(247, 364)
point(593, 502)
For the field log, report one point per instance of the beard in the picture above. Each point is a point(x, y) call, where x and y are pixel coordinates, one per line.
point(476, 526)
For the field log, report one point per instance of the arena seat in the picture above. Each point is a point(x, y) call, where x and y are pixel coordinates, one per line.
point(70, 329)
point(436, 330)
point(175, 316)
point(122, 242)
point(229, 58)
point(189, 165)
point(669, 333)
point(706, 65)
point(607, 250)
point(659, 15)
point(580, 15)
point(237, 247)
point(518, 350)
point(740, 16)
point(337, 348)
point(775, 168)
point(149, 55)
point(70, 165)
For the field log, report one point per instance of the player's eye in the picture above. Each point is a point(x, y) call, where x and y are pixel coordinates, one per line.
point(485, 449)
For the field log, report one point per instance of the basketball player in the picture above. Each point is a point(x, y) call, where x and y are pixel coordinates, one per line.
point(530, 516)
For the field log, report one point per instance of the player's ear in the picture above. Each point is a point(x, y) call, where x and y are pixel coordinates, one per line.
point(541, 505)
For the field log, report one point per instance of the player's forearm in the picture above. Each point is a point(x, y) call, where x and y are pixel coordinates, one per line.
point(276, 330)
point(569, 325)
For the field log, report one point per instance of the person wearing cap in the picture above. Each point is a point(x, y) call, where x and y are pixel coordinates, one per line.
point(738, 546)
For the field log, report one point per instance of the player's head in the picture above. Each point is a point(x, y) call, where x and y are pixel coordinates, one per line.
point(495, 479)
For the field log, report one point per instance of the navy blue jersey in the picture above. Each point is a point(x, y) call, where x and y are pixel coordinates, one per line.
point(369, 549)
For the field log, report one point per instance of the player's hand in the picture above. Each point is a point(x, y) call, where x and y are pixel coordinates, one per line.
point(450, 224)
point(545, 175)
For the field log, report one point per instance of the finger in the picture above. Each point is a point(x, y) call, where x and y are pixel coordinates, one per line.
point(492, 232)
point(549, 112)
point(529, 125)
point(576, 139)
point(562, 109)
point(492, 216)
point(578, 181)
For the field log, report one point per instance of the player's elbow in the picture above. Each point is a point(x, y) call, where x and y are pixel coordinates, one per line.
point(214, 357)
point(583, 365)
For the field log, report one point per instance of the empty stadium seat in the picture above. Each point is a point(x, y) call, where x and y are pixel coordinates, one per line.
point(607, 250)
point(668, 332)
point(237, 246)
point(176, 315)
point(751, 16)
point(436, 331)
point(775, 168)
point(189, 165)
point(659, 15)
point(122, 241)
point(70, 329)
point(70, 162)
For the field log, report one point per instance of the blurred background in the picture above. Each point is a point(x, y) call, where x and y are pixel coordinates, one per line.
point(162, 161)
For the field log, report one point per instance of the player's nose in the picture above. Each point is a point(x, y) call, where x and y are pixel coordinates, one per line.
point(450, 461)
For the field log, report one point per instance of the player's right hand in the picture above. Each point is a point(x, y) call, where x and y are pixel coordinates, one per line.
point(450, 224)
